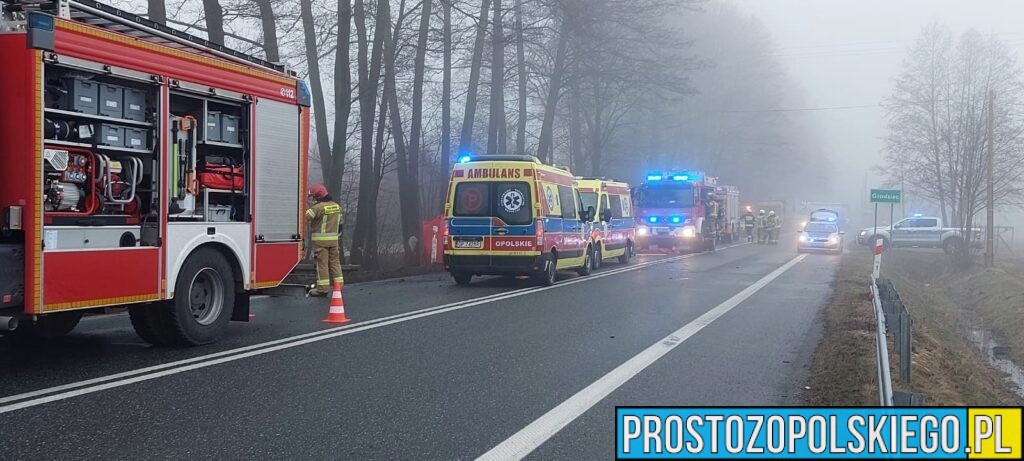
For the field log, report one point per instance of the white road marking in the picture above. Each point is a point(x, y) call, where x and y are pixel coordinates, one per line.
point(42, 396)
point(522, 443)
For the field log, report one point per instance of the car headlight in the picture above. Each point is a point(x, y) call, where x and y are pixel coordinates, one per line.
point(863, 232)
point(688, 232)
point(642, 230)
point(833, 239)
point(802, 238)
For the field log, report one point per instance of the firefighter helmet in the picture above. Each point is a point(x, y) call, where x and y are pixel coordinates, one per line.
point(760, 212)
point(317, 191)
point(771, 213)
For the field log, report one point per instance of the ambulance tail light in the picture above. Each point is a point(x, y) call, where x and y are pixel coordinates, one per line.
point(540, 235)
point(445, 231)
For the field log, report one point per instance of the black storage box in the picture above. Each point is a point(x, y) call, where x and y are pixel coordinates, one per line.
point(106, 134)
point(213, 126)
point(111, 100)
point(135, 138)
point(12, 274)
point(79, 95)
point(229, 129)
point(135, 104)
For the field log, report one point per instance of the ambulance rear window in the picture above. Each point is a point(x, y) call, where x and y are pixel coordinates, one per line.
point(508, 201)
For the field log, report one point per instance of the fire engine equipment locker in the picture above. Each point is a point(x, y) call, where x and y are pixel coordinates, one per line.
point(229, 129)
point(111, 100)
point(78, 95)
point(109, 135)
point(135, 138)
point(213, 129)
point(134, 104)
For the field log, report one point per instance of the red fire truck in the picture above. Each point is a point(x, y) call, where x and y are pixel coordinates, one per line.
point(142, 167)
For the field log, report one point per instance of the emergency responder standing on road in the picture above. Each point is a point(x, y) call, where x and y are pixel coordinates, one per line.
point(326, 218)
point(774, 224)
point(749, 221)
point(761, 225)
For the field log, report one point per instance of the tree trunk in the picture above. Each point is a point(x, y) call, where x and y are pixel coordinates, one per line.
point(446, 103)
point(408, 191)
point(575, 128)
point(269, 22)
point(365, 236)
point(547, 128)
point(342, 98)
point(157, 11)
point(469, 115)
point(597, 131)
point(416, 124)
point(521, 64)
point(214, 21)
point(496, 122)
point(323, 142)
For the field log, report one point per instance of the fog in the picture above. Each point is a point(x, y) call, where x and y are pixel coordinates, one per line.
point(846, 54)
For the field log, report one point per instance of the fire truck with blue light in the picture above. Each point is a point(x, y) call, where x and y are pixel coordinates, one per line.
point(685, 211)
point(143, 167)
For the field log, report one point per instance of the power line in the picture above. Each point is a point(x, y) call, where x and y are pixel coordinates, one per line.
point(803, 109)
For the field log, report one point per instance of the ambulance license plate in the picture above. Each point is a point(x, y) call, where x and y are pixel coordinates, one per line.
point(469, 243)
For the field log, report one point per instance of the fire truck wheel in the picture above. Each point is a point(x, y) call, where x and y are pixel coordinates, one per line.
point(145, 318)
point(462, 278)
point(588, 263)
point(203, 298)
point(49, 326)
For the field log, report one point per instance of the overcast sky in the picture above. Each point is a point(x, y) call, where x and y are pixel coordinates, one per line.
point(847, 53)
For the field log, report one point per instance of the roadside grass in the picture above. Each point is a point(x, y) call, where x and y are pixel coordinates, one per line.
point(843, 368)
point(946, 368)
point(946, 306)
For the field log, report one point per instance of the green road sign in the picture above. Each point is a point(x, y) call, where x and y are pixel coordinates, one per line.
point(886, 195)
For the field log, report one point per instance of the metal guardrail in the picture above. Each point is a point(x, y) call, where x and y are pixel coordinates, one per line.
point(881, 350)
point(892, 316)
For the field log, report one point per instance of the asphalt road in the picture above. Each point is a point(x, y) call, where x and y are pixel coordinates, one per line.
point(428, 370)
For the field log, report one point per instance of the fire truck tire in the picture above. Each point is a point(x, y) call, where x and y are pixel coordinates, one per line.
point(49, 326)
point(598, 257)
point(145, 323)
point(203, 298)
point(462, 278)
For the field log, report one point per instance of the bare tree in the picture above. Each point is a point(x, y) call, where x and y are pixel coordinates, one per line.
point(521, 70)
point(469, 116)
point(364, 240)
point(496, 122)
point(157, 11)
point(416, 122)
point(268, 20)
point(214, 21)
point(446, 95)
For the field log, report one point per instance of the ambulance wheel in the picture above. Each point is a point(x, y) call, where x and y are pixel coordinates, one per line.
point(49, 326)
point(549, 277)
point(462, 278)
point(626, 254)
point(598, 257)
point(588, 263)
point(204, 296)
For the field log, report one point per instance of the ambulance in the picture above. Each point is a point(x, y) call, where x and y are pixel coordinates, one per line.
point(614, 230)
point(513, 215)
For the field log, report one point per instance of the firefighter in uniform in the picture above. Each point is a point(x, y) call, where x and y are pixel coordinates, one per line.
point(749, 221)
point(762, 231)
point(326, 219)
point(774, 224)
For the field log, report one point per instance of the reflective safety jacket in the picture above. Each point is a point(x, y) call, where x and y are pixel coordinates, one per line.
point(327, 219)
point(748, 220)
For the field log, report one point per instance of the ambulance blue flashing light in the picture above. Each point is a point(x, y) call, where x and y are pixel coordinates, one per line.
point(652, 219)
point(918, 215)
point(831, 219)
point(654, 177)
point(465, 159)
point(676, 219)
point(680, 177)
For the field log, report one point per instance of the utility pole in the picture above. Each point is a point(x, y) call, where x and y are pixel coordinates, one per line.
point(990, 206)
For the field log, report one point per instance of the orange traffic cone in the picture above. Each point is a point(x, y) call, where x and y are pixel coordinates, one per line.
point(337, 312)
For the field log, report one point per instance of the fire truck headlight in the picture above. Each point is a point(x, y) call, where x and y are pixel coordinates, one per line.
point(688, 232)
point(802, 237)
point(642, 230)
